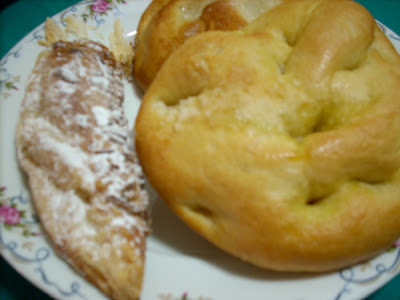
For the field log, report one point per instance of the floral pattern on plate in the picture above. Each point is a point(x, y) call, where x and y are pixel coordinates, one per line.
point(24, 246)
point(185, 296)
point(100, 7)
point(12, 216)
point(95, 11)
point(8, 83)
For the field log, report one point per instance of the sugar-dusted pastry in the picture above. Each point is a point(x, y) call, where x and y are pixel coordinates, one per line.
point(280, 143)
point(166, 24)
point(87, 187)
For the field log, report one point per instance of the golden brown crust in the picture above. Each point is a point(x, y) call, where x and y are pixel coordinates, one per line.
point(166, 24)
point(73, 143)
point(280, 142)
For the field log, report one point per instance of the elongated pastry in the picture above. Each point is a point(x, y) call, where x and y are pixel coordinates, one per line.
point(281, 141)
point(73, 143)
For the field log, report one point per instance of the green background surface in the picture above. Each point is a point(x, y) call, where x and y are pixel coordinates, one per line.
point(20, 17)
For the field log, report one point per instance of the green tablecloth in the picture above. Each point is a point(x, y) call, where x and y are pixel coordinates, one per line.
point(20, 17)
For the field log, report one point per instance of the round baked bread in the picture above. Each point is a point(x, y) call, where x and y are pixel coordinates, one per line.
point(280, 143)
point(166, 24)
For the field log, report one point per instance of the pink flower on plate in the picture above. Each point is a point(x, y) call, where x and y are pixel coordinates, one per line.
point(100, 6)
point(9, 215)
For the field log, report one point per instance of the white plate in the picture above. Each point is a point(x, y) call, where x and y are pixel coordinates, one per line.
point(180, 264)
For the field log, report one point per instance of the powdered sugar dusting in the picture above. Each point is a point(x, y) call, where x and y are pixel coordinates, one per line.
point(73, 126)
point(101, 114)
point(67, 73)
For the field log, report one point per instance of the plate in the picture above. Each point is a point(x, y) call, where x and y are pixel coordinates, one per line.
point(180, 264)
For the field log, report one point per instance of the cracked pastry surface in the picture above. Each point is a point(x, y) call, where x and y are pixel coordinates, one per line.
point(280, 142)
point(86, 184)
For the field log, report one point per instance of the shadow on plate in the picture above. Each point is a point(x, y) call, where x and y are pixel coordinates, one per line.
point(172, 236)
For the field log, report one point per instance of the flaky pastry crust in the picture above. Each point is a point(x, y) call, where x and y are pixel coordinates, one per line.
point(280, 142)
point(73, 143)
point(166, 24)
